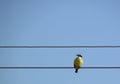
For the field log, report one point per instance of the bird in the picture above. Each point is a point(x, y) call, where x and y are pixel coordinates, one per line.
point(78, 62)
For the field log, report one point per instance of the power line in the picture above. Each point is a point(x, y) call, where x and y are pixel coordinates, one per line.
point(59, 46)
point(59, 68)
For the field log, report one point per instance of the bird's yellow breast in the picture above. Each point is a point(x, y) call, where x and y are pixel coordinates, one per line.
point(78, 62)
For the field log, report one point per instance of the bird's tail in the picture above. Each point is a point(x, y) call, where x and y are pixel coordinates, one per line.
point(76, 70)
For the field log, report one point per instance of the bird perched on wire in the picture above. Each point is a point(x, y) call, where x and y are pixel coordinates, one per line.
point(78, 62)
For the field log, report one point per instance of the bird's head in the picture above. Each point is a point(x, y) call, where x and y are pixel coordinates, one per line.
point(79, 55)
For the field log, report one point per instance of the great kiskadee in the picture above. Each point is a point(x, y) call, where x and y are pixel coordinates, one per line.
point(78, 62)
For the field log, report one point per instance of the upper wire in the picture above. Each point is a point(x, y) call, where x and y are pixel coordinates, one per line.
point(59, 46)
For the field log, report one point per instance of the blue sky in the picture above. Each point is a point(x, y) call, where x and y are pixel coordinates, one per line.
point(59, 22)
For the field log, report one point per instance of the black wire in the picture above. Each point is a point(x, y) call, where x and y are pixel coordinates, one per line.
point(58, 67)
point(59, 46)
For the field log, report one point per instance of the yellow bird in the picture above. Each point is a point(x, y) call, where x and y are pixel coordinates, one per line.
point(78, 62)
